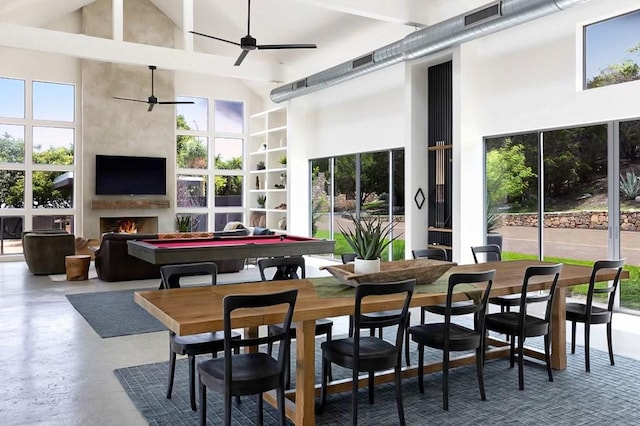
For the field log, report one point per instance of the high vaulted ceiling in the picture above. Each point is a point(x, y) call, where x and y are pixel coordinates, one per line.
point(342, 29)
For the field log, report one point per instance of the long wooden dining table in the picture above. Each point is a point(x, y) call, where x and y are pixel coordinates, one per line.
point(194, 310)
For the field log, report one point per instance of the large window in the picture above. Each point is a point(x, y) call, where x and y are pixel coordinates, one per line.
point(612, 51)
point(209, 162)
point(582, 184)
point(363, 184)
point(37, 158)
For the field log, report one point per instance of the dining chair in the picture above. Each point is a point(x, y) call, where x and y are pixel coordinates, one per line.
point(369, 353)
point(249, 373)
point(449, 336)
point(520, 325)
point(290, 268)
point(493, 253)
point(430, 253)
point(588, 313)
point(195, 344)
point(349, 257)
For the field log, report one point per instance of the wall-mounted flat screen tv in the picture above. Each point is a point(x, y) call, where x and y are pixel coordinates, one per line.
point(127, 175)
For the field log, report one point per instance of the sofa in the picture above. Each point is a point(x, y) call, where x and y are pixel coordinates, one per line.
point(45, 250)
point(113, 262)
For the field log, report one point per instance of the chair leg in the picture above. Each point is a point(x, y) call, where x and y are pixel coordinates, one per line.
point(323, 387)
point(610, 342)
point(172, 370)
point(329, 337)
point(192, 381)
point(512, 351)
point(203, 405)
point(371, 383)
point(521, 360)
point(573, 337)
point(259, 404)
point(354, 397)
point(407, 351)
point(421, 368)
point(587, 338)
point(269, 344)
point(399, 395)
point(445, 380)
point(547, 356)
point(479, 364)
point(422, 315)
point(282, 418)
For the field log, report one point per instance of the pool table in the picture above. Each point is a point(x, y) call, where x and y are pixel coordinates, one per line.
point(171, 251)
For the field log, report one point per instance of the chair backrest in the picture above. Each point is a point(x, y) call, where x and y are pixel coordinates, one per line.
point(286, 268)
point(477, 304)
point(348, 257)
point(171, 274)
point(430, 253)
point(492, 253)
point(233, 302)
point(368, 322)
point(539, 271)
point(609, 287)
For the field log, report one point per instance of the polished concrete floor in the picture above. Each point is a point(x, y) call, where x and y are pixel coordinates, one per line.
point(57, 371)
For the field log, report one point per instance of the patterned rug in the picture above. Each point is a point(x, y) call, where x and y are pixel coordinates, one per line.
point(606, 395)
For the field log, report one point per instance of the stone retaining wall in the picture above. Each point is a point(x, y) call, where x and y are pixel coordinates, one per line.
point(629, 220)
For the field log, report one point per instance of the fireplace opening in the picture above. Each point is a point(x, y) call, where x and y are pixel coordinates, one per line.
point(129, 225)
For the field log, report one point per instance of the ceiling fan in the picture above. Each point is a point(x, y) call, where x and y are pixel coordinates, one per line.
point(248, 43)
point(152, 100)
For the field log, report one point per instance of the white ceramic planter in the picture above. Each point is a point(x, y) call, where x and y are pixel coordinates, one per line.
point(362, 266)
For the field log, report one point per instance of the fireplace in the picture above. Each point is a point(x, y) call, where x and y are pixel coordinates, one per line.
point(129, 225)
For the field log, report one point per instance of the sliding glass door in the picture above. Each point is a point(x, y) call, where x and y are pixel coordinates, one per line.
point(585, 184)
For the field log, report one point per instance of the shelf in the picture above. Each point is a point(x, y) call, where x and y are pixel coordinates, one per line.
point(439, 147)
point(433, 229)
point(440, 246)
point(129, 204)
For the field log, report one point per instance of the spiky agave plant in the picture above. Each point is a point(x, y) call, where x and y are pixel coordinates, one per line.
point(369, 236)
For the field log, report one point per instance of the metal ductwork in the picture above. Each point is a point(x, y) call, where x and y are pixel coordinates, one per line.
point(488, 19)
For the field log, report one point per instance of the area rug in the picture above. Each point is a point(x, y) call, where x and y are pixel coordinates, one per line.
point(114, 313)
point(606, 395)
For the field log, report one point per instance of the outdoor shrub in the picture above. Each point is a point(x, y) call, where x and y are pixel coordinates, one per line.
point(630, 185)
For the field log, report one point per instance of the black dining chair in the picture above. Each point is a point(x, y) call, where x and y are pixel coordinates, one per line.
point(195, 344)
point(520, 325)
point(249, 373)
point(430, 253)
point(290, 268)
point(588, 313)
point(493, 253)
point(449, 336)
point(369, 353)
point(349, 257)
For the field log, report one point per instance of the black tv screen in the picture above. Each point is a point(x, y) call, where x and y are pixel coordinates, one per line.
point(126, 175)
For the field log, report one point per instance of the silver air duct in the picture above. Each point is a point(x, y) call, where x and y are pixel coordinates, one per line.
point(488, 19)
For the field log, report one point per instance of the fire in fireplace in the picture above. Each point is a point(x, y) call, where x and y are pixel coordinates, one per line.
point(129, 225)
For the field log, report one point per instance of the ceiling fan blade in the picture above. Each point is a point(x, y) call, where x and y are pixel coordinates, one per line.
point(129, 99)
point(150, 107)
point(241, 58)
point(286, 46)
point(215, 38)
point(175, 102)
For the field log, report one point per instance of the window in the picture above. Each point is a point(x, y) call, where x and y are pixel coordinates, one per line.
point(612, 51)
point(37, 158)
point(359, 184)
point(208, 159)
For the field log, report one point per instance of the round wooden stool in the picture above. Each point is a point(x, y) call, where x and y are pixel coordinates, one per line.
point(77, 267)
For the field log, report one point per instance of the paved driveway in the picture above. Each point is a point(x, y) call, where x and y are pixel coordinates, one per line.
point(588, 244)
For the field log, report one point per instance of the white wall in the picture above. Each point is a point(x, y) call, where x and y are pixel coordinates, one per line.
point(520, 79)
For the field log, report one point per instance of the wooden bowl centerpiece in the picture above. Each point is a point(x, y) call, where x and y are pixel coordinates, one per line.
point(425, 271)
